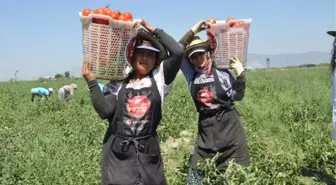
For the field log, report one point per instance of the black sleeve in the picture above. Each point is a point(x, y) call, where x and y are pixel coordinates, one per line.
point(186, 39)
point(171, 66)
point(241, 82)
point(240, 87)
point(103, 104)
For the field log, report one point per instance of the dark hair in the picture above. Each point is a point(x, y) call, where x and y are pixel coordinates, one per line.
point(333, 57)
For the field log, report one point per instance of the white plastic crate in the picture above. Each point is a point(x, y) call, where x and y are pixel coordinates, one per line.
point(227, 42)
point(104, 46)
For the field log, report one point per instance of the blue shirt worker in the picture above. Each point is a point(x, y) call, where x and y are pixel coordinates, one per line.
point(41, 92)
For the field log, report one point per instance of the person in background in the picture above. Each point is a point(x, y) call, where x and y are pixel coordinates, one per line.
point(131, 150)
point(333, 80)
point(41, 92)
point(214, 92)
point(66, 91)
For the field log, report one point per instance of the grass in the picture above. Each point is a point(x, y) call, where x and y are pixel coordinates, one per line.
point(286, 115)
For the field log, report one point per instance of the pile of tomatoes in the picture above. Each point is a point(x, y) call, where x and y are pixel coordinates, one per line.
point(115, 15)
point(238, 24)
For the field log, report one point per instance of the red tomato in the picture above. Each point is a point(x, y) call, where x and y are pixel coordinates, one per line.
point(238, 24)
point(86, 12)
point(107, 11)
point(123, 18)
point(100, 21)
point(99, 11)
point(115, 15)
point(212, 21)
point(127, 15)
point(118, 12)
point(229, 19)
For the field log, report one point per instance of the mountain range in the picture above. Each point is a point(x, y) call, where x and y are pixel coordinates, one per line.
point(254, 61)
point(290, 59)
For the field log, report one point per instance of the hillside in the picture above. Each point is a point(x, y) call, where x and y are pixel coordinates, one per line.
point(291, 59)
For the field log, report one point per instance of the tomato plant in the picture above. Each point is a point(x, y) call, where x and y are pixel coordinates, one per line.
point(47, 150)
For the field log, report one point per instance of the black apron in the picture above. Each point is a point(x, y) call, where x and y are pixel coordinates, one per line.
point(131, 152)
point(219, 126)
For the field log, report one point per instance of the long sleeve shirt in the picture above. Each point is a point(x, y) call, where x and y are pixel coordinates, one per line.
point(164, 75)
point(234, 88)
point(69, 89)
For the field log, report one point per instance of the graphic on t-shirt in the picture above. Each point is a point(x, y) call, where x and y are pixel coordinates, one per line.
point(138, 106)
point(205, 96)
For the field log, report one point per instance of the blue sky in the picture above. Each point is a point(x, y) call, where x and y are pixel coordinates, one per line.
point(41, 38)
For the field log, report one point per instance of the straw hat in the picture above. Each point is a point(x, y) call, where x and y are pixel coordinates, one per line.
point(332, 33)
point(196, 45)
point(74, 86)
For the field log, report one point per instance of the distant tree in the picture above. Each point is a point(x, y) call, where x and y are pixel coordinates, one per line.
point(58, 75)
point(41, 79)
point(67, 74)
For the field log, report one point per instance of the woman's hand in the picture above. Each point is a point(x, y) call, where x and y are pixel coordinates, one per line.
point(87, 72)
point(236, 65)
point(147, 26)
point(200, 26)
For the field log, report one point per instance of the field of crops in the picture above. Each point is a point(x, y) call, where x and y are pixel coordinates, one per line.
point(286, 114)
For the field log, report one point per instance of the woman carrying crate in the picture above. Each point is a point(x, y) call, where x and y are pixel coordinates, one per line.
point(333, 88)
point(214, 91)
point(133, 107)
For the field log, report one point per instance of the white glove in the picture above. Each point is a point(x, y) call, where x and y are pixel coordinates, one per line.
point(236, 65)
point(128, 70)
point(198, 27)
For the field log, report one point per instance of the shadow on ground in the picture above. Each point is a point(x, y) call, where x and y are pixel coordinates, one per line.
point(319, 176)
